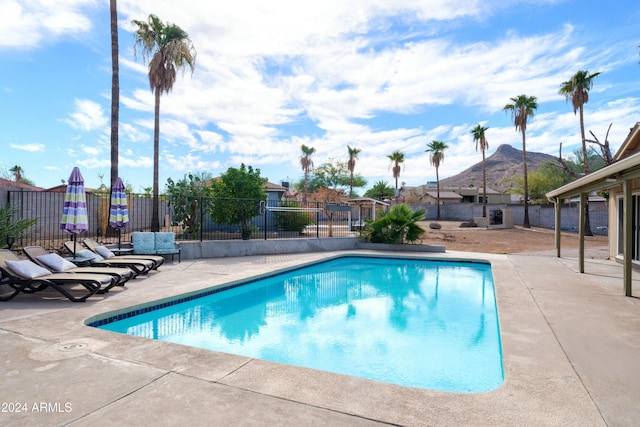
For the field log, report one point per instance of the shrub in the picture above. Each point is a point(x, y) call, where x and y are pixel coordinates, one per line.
point(190, 198)
point(247, 187)
point(293, 220)
point(396, 226)
point(10, 227)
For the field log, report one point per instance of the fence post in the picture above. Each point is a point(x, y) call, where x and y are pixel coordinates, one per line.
point(201, 218)
point(264, 213)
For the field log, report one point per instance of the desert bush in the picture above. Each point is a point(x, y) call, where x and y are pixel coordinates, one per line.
point(293, 220)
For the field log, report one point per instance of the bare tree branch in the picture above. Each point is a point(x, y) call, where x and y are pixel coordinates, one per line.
point(565, 166)
point(605, 150)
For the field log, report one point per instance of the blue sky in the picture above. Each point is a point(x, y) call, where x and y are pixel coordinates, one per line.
point(270, 76)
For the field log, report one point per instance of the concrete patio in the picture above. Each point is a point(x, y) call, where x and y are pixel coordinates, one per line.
point(570, 344)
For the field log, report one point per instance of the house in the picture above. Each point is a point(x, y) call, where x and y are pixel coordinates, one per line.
point(275, 191)
point(621, 179)
point(7, 184)
point(62, 188)
point(476, 194)
point(427, 194)
point(431, 197)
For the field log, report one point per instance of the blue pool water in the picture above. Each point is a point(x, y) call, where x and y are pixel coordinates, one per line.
point(414, 322)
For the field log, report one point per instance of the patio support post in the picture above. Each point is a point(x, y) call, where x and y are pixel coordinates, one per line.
point(627, 239)
point(558, 220)
point(581, 224)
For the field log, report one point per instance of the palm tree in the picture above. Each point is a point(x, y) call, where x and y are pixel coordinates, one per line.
point(397, 158)
point(169, 48)
point(17, 173)
point(522, 107)
point(379, 191)
point(306, 163)
point(480, 139)
point(115, 90)
point(351, 165)
point(577, 90)
point(436, 156)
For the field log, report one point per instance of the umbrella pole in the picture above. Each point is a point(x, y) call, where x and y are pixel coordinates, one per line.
point(75, 241)
point(119, 237)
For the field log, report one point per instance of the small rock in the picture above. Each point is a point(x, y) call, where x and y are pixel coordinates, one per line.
point(471, 223)
point(435, 226)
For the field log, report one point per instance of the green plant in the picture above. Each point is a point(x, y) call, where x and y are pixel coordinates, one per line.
point(293, 220)
point(190, 197)
point(396, 226)
point(10, 227)
point(380, 191)
point(246, 187)
point(247, 232)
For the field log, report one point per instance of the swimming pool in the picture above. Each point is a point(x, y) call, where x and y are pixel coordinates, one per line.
point(415, 322)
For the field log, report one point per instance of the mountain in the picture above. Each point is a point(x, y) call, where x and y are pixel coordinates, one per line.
point(504, 164)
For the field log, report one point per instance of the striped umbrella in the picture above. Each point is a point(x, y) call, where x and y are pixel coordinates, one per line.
point(119, 212)
point(74, 216)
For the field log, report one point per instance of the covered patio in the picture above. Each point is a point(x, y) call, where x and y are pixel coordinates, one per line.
point(621, 180)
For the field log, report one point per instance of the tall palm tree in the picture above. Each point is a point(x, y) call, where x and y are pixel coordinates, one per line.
point(169, 48)
point(397, 158)
point(522, 107)
point(351, 165)
point(307, 164)
point(115, 90)
point(17, 173)
point(577, 90)
point(436, 156)
point(481, 140)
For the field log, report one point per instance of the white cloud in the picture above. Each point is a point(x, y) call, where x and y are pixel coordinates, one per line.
point(29, 24)
point(131, 133)
point(88, 116)
point(92, 150)
point(28, 147)
point(376, 74)
point(189, 163)
point(130, 159)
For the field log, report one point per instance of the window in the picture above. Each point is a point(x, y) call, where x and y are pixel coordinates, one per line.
point(635, 227)
point(468, 199)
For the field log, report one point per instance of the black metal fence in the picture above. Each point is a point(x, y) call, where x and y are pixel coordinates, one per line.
point(270, 219)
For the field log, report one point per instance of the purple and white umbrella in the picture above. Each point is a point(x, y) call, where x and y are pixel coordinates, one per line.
point(119, 211)
point(74, 216)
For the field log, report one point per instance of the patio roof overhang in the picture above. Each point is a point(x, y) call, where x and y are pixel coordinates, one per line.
point(602, 179)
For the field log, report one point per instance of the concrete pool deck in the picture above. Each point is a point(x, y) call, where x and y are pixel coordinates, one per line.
point(571, 344)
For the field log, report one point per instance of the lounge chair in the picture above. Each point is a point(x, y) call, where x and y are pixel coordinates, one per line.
point(103, 251)
point(160, 243)
point(139, 266)
point(56, 264)
point(24, 276)
point(165, 243)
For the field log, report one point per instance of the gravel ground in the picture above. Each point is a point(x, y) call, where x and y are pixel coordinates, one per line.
point(517, 240)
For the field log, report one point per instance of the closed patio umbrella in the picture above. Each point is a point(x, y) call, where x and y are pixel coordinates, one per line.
point(119, 211)
point(74, 216)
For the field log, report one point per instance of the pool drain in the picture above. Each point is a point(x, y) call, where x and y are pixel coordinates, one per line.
point(65, 350)
point(72, 347)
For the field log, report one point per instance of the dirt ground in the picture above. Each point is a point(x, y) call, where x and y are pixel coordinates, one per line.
point(504, 241)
